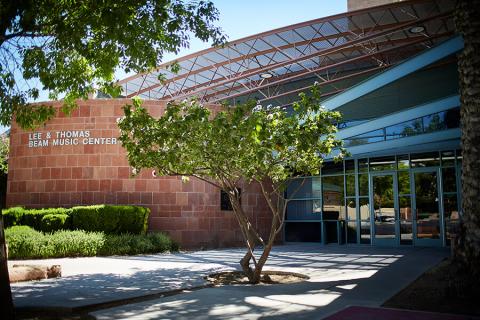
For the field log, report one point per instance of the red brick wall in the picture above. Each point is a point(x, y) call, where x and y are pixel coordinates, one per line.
point(71, 175)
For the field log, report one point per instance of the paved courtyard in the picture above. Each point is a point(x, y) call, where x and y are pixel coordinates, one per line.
point(339, 276)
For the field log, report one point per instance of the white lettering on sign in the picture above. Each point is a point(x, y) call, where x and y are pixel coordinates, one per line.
point(65, 138)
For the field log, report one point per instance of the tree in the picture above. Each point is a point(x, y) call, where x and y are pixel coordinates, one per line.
point(468, 25)
point(70, 49)
point(241, 144)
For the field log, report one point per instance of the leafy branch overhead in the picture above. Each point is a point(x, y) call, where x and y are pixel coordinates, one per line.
point(244, 142)
point(69, 48)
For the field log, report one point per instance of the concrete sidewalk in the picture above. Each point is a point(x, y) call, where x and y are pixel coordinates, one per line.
point(339, 276)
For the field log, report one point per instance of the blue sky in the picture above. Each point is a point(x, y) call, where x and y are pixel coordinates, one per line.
point(241, 18)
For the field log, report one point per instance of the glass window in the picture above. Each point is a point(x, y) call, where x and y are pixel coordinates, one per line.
point(304, 210)
point(382, 163)
point(403, 162)
point(442, 120)
point(365, 232)
point(362, 165)
point(459, 157)
point(450, 206)
point(452, 118)
point(405, 206)
point(349, 166)
point(363, 184)
point(369, 137)
point(351, 209)
point(333, 198)
point(448, 158)
point(364, 209)
point(332, 167)
point(302, 188)
point(430, 159)
point(350, 179)
point(449, 180)
point(303, 231)
point(403, 182)
point(434, 122)
point(404, 129)
point(352, 232)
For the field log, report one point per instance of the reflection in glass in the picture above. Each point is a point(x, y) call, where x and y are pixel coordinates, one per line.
point(304, 210)
point(350, 180)
point(403, 182)
point(352, 232)
point(303, 231)
point(351, 209)
point(403, 161)
point(428, 217)
point(333, 198)
point(449, 180)
point(382, 163)
point(450, 206)
point(369, 137)
point(332, 167)
point(406, 232)
point(448, 158)
point(364, 209)
point(442, 120)
point(452, 228)
point(404, 129)
point(362, 165)
point(365, 232)
point(405, 210)
point(299, 188)
point(420, 160)
point(384, 208)
point(363, 184)
point(349, 166)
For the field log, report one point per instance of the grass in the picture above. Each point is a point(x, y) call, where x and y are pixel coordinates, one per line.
point(27, 243)
point(444, 288)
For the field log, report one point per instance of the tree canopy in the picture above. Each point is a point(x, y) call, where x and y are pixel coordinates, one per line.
point(72, 48)
point(245, 143)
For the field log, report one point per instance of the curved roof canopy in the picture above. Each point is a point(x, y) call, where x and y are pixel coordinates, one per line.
point(274, 66)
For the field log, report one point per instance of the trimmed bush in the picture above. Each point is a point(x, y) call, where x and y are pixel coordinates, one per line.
point(111, 219)
point(26, 243)
point(105, 218)
point(13, 216)
point(54, 222)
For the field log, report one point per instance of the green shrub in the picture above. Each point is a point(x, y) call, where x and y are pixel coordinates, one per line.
point(24, 242)
point(27, 243)
point(13, 216)
point(111, 219)
point(54, 222)
point(75, 243)
point(105, 218)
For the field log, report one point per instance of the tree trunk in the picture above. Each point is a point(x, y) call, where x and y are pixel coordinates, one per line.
point(6, 302)
point(250, 235)
point(467, 24)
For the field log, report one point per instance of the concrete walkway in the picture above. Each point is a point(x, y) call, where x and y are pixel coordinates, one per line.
point(339, 276)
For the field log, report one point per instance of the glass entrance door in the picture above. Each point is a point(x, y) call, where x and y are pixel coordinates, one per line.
point(384, 209)
point(426, 207)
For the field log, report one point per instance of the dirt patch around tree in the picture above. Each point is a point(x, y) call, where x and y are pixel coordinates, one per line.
point(267, 278)
point(444, 288)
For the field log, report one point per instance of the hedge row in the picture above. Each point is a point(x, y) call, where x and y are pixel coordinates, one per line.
point(26, 243)
point(104, 218)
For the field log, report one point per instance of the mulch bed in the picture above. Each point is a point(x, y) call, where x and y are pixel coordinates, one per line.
point(268, 277)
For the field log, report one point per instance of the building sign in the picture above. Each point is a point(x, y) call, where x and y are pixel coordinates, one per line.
point(65, 138)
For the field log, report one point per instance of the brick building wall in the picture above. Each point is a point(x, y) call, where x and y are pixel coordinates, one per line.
point(96, 171)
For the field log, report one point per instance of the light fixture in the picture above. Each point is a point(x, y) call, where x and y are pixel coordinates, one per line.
point(266, 75)
point(417, 29)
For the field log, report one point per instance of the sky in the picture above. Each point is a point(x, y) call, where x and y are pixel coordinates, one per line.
point(242, 18)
